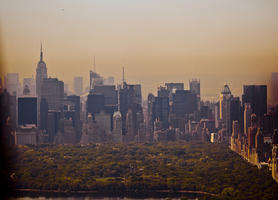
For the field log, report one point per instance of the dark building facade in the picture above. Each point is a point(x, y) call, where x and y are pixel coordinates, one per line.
point(53, 92)
point(161, 110)
point(95, 103)
point(43, 114)
point(184, 102)
point(256, 95)
point(27, 110)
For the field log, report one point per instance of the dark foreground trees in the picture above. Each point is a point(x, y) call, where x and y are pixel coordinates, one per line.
point(123, 169)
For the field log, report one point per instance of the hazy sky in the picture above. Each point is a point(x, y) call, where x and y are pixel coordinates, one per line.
point(217, 41)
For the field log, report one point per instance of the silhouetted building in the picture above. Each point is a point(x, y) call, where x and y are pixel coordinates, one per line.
point(53, 119)
point(95, 103)
point(52, 90)
point(236, 111)
point(27, 110)
point(184, 102)
point(161, 110)
point(274, 87)
point(225, 110)
point(270, 122)
point(194, 86)
point(71, 109)
point(172, 87)
point(109, 92)
point(129, 101)
point(247, 117)
point(256, 95)
point(43, 114)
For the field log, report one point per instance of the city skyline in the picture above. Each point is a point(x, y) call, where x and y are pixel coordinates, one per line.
point(217, 42)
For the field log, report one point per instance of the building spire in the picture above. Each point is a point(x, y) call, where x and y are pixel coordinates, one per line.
point(41, 57)
point(123, 75)
point(95, 65)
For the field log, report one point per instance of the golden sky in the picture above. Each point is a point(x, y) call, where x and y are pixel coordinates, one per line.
point(216, 41)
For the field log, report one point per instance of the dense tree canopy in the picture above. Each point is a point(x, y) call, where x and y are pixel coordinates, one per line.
point(127, 168)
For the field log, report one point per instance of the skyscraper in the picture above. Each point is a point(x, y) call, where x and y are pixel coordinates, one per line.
point(40, 74)
point(225, 109)
point(78, 85)
point(27, 110)
point(274, 87)
point(194, 86)
point(256, 95)
point(53, 91)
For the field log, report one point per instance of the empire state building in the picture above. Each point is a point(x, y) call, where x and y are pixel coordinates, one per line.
point(40, 74)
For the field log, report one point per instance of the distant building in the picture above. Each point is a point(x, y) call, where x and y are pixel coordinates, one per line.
point(78, 85)
point(194, 86)
point(109, 92)
point(184, 102)
point(274, 87)
point(172, 87)
point(161, 110)
point(108, 81)
point(53, 120)
point(52, 90)
point(31, 85)
point(236, 111)
point(117, 127)
point(138, 94)
point(129, 102)
point(12, 83)
point(41, 74)
point(27, 135)
point(95, 103)
point(66, 133)
point(162, 92)
point(95, 79)
point(256, 95)
point(27, 111)
point(247, 117)
point(43, 114)
point(104, 121)
point(225, 110)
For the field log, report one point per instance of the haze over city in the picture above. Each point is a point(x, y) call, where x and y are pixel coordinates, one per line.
point(216, 41)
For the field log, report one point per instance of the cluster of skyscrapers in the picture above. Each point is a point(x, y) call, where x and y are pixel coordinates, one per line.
point(44, 111)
